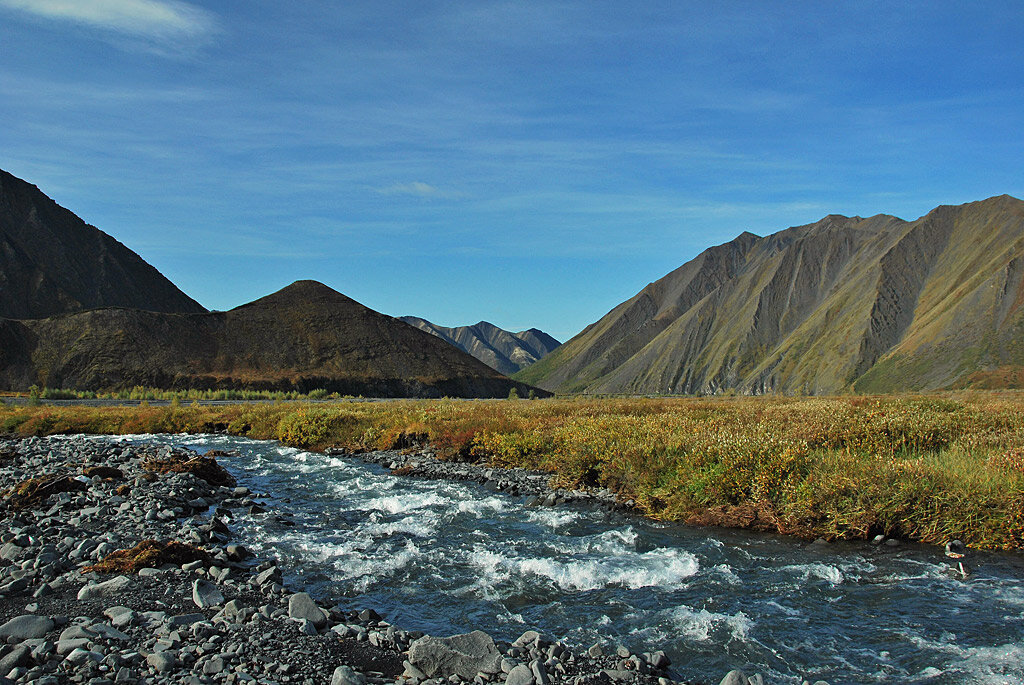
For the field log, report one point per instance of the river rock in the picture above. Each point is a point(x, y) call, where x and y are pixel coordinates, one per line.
point(301, 606)
point(162, 661)
point(737, 677)
point(105, 589)
point(520, 675)
point(26, 627)
point(206, 594)
point(19, 656)
point(343, 675)
point(462, 655)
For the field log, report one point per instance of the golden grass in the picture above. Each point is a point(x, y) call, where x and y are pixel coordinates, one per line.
point(921, 467)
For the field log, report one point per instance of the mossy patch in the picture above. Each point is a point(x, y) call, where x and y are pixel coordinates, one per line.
point(103, 472)
point(31, 493)
point(149, 554)
point(206, 468)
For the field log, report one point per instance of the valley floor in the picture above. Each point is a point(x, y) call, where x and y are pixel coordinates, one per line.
point(929, 468)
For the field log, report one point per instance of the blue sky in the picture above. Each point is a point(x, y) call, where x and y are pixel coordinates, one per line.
point(531, 163)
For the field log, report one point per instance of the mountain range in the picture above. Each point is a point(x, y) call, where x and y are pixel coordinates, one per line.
point(502, 350)
point(82, 311)
point(873, 304)
point(303, 337)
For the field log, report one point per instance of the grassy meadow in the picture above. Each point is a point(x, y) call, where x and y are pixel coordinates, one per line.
point(928, 468)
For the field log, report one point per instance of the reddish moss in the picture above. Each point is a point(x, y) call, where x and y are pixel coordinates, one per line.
point(206, 468)
point(149, 554)
point(104, 472)
point(34, 491)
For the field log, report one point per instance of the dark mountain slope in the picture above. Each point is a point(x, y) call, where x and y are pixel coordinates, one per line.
point(873, 304)
point(303, 337)
point(502, 350)
point(52, 262)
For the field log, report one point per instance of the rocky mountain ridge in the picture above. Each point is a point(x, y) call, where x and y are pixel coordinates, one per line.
point(871, 304)
point(505, 351)
point(52, 262)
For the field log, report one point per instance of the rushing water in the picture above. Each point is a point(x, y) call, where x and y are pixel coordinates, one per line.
point(447, 558)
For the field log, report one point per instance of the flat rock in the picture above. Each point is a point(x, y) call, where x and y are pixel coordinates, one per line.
point(105, 589)
point(462, 655)
point(25, 627)
point(206, 594)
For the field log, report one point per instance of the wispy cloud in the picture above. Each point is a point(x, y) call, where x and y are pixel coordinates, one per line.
point(415, 188)
point(155, 21)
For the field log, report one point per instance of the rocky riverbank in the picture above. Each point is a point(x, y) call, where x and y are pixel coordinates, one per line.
point(117, 565)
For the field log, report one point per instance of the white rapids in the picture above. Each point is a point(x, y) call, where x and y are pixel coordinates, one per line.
point(447, 558)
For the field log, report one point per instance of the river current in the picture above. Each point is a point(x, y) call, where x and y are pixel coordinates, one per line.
point(447, 558)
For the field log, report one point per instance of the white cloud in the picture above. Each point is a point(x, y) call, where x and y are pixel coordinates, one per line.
point(156, 20)
point(415, 188)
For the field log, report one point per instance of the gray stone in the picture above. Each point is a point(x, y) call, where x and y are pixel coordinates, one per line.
point(343, 675)
point(622, 652)
point(520, 675)
point(270, 575)
point(213, 666)
point(10, 552)
point(206, 594)
point(462, 655)
point(735, 677)
point(162, 661)
point(540, 674)
point(413, 672)
point(68, 645)
point(236, 552)
point(618, 675)
point(301, 606)
point(183, 620)
point(105, 589)
point(76, 631)
point(306, 627)
point(527, 639)
point(596, 650)
point(81, 656)
point(25, 627)
point(109, 632)
point(657, 660)
point(19, 656)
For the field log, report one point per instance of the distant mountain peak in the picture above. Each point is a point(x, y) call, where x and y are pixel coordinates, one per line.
point(505, 351)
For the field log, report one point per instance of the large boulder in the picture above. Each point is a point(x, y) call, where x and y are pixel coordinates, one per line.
point(461, 655)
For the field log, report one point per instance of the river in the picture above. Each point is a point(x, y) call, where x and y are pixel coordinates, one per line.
point(446, 558)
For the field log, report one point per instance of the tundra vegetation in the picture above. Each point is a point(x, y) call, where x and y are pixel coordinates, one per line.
point(928, 468)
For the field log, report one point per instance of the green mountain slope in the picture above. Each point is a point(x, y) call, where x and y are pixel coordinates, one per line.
point(875, 304)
